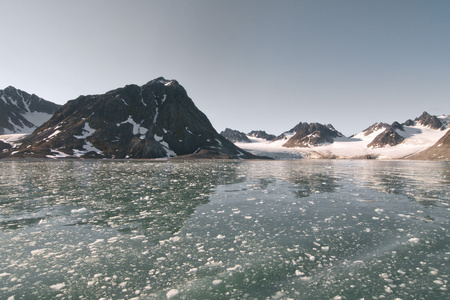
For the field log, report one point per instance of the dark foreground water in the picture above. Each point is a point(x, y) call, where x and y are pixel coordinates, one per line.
point(224, 230)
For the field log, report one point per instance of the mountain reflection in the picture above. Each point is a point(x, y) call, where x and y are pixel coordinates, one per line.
point(154, 198)
point(418, 181)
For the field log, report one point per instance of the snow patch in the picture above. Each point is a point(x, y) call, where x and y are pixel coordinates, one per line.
point(137, 128)
point(87, 132)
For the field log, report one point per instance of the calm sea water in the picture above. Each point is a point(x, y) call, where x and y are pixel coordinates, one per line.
point(95, 229)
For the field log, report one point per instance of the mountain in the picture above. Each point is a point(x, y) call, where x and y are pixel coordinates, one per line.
point(310, 134)
point(426, 136)
point(235, 136)
point(395, 134)
point(389, 137)
point(156, 120)
point(261, 134)
point(21, 112)
point(430, 121)
point(439, 151)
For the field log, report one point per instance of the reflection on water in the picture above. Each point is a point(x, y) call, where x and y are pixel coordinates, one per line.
point(224, 229)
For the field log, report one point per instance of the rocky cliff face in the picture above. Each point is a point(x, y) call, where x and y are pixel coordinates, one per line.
point(235, 136)
point(261, 134)
point(312, 134)
point(21, 112)
point(156, 120)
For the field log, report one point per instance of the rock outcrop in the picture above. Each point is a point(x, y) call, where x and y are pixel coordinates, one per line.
point(261, 134)
point(312, 134)
point(235, 136)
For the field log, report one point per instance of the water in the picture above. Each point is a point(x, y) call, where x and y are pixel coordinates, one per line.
point(96, 229)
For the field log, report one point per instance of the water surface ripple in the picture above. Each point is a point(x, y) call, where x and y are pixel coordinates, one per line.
point(97, 229)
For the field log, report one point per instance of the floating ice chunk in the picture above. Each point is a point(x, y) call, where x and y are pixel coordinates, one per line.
point(235, 268)
point(217, 282)
point(113, 239)
point(79, 211)
point(97, 241)
point(299, 273)
point(325, 248)
point(58, 286)
point(219, 237)
point(37, 252)
point(413, 240)
point(172, 293)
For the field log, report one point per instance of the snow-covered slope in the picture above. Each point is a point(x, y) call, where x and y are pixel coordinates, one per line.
point(21, 112)
point(416, 138)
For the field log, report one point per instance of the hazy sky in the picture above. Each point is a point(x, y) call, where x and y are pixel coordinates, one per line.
point(247, 64)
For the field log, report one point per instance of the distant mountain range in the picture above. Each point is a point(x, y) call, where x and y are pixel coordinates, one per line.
point(159, 120)
point(426, 138)
point(21, 112)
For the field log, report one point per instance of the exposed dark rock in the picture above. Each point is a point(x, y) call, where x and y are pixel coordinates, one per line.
point(21, 112)
point(4, 146)
point(388, 137)
point(156, 120)
point(439, 151)
point(311, 134)
point(431, 121)
point(262, 135)
point(409, 122)
point(397, 125)
point(235, 136)
point(375, 127)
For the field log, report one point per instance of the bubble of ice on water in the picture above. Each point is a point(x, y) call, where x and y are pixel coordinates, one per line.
point(172, 293)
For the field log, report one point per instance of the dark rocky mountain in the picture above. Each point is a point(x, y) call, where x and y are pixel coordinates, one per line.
point(156, 120)
point(261, 134)
point(439, 151)
point(393, 136)
point(430, 121)
point(388, 137)
point(21, 112)
point(311, 134)
point(235, 136)
point(375, 127)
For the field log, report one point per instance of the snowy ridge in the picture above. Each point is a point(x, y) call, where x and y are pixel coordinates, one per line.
point(417, 138)
point(21, 112)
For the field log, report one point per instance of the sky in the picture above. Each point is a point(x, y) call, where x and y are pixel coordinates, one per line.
point(247, 64)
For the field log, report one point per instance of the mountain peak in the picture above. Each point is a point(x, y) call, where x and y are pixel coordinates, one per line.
point(430, 121)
